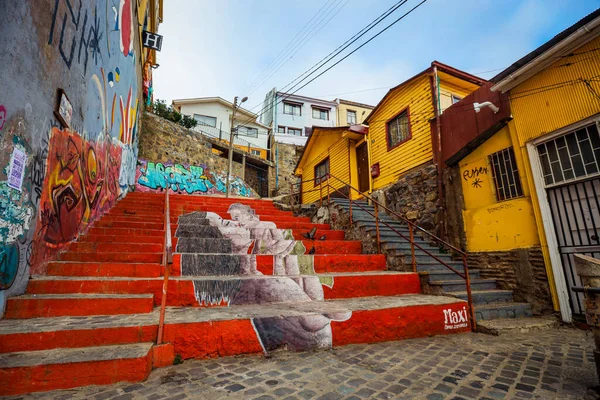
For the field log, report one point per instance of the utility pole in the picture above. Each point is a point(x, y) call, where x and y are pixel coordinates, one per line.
point(231, 136)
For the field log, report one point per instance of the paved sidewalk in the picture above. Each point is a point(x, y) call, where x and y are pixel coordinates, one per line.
point(547, 364)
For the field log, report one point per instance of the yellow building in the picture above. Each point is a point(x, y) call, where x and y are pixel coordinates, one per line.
point(497, 214)
point(400, 132)
point(333, 151)
point(555, 100)
point(351, 113)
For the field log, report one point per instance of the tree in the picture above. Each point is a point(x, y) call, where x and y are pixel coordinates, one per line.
point(161, 109)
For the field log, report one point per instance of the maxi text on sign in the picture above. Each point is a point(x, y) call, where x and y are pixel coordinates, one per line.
point(152, 40)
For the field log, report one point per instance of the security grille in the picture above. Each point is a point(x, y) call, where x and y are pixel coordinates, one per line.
point(574, 155)
point(506, 175)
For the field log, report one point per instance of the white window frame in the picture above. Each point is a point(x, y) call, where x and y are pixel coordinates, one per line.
point(205, 116)
point(294, 106)
point(321, 110)
point(348, 112)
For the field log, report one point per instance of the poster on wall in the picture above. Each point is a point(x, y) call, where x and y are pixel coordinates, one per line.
point(16, 169)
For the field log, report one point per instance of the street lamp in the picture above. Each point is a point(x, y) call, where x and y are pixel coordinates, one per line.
point(231, 134)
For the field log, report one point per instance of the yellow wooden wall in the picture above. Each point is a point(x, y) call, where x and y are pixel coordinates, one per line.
point(492, 225)
point(414, 152)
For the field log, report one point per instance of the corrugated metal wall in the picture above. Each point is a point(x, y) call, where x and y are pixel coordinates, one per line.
point(559, 95)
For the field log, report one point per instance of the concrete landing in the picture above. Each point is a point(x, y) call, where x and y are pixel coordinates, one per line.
point(510, 325)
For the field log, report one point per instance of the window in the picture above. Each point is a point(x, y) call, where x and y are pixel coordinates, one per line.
point(321, 171)
point(294, 131)
point(256, 152)
point(319, 113)
point(574, 155)
point(206, 120)
point(351, 117)
point(281, 129)
point(456, 99)
point(247, 131)
point(292, 109)
point(505, 174)
point(398, 129)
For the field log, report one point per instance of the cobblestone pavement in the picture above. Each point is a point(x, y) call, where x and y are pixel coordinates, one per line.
point(548, 364)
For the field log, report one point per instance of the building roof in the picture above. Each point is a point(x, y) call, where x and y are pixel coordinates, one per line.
point(292, 96)
point(363, 130)
point(353, 103)
point(579, 29)
point(201, 100)
point(465, 76)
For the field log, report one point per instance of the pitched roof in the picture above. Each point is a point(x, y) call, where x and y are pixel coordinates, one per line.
point(441, 67)
point(353, 128)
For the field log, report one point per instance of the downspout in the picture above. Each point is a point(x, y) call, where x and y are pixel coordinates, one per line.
point(438, 123)
point(438, 126)
point(276, 143)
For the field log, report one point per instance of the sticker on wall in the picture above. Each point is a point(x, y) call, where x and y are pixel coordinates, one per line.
point(17, 169)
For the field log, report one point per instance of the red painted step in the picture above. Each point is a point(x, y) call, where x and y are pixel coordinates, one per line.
point(116, 247)
point(58, 305)
point(73, 268)
point(60, 332)
point(181, 289)
point(112, 257)
point(70, 368)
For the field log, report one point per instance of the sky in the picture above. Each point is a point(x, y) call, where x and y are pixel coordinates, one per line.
point(230, 48)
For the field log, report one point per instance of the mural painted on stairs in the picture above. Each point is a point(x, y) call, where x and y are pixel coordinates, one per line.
point(297, 283)
point(187, 179)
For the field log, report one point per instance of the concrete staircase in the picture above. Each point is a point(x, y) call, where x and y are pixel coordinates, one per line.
point(489, 301)
point(246, 278)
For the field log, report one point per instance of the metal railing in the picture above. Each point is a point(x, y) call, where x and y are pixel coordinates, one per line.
point(167, 261)
point(218, 134)
point(412, 227)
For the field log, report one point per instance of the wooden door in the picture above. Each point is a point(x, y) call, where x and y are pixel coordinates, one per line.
point(362, 158)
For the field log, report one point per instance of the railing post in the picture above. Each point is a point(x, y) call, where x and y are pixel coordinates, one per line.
point(350, 199)
point(166, 262)
point(328, 200)
point(292, 196)
point(412, 247)
point(377, 227)
point(321, 191)
point(469, 296)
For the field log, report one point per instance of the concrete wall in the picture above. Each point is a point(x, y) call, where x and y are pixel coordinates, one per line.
point(72, 174)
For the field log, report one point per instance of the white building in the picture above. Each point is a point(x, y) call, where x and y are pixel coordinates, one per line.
point(214, 119)
point(292, 117)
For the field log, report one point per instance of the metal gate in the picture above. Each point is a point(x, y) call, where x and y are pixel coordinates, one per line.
point(575, 211)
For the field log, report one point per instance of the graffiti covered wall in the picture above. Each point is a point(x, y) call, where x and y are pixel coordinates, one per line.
point(75, 165)
point(187, 179)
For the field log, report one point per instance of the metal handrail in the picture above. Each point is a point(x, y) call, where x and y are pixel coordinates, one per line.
point(167, 261)
point(412, 226)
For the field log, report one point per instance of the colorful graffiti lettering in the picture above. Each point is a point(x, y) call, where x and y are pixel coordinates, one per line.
point(186, 179)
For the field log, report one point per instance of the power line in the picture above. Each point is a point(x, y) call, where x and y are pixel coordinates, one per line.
point(286, 48)
point(352, 52)
point(340, 48)
point(299, 45)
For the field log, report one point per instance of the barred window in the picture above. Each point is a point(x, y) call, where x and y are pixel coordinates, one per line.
point(506, 175)
point(398, 129)
point(574, 155)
